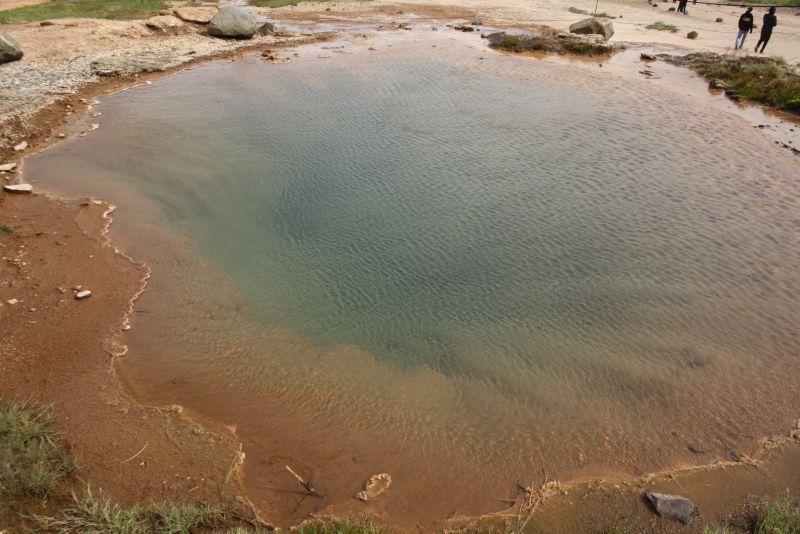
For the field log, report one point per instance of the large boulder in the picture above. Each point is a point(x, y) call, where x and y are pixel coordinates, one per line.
point(593, 26)
point(198, 15)
point(672, 506)
point(234, 22)
point(9, 49)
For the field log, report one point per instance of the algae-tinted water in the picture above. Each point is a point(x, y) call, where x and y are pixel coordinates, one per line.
point(432, 264)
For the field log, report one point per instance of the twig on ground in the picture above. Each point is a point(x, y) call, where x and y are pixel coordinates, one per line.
point(309, 489)
point(238, 460)
point(146, 443)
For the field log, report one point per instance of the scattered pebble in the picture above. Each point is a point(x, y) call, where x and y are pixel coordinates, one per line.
point(22, 146)
point(85, 294)
point(8, 167)
point(12, 301)
point(18, 188)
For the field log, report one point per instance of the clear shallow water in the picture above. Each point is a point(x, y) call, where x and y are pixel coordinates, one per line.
point(458, 271)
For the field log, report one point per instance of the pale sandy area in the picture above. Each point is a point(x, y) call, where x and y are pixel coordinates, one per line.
point(636, 14)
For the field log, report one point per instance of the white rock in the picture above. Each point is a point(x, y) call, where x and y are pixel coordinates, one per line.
point(12, 301)
point(376, 485)
point(85, 294)
point(18, 188)
point(22, 146)
point(8, 167)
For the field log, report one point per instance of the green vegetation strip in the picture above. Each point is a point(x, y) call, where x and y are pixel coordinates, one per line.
point(767, 80)
point(97, 514)
point(95, 9)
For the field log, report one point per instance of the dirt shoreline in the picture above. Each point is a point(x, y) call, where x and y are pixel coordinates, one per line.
point(58, 244)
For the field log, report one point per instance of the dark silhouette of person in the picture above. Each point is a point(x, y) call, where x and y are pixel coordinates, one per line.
point(682, 6)
point(745, 27)
point(770, 21)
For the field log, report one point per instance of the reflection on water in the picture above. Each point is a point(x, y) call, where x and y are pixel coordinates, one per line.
point(454, 270)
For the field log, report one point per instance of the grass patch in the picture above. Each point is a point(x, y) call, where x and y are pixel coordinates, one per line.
point(660, 26)
point(534, 43)
point(781, 516)
point(339, 527)
point(577, 11)
point(93, 514)
point(584, 12)
point(33, 460)
point(753, 78)
point(95, 9)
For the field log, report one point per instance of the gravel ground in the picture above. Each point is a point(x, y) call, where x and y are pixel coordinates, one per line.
point(71, 54)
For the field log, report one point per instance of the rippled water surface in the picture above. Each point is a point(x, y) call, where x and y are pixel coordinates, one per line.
point(453, 266)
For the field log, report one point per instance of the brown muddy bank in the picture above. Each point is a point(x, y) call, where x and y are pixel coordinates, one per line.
point(594, 500)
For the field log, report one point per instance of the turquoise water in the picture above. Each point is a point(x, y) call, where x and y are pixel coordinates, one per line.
point(524, 264)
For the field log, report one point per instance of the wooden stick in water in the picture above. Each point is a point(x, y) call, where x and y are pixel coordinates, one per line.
point(309, 489)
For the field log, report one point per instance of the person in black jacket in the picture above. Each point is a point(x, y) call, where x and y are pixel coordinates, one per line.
point(745, 27)
point(770, 21)
point(682, 6)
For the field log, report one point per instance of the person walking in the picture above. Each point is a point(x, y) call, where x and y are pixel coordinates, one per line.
point(745, 27)
point(682, 6)
point(770, 21)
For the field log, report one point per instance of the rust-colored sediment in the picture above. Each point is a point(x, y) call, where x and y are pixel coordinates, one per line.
point(56, 349)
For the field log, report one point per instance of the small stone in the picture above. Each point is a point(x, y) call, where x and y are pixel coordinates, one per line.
point(376, 485)
point(672, 506)
point(719, 19)
point(8, 167)
point(647, 57)
point(18, 188)
point(61, 135)
point(12, 301)
point(85, 294)
point(267, 28)
point(22, 146)
point(717, 84)
point(692, 35)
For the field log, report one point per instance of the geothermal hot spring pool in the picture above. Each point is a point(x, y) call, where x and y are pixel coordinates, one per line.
point(460, 268)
